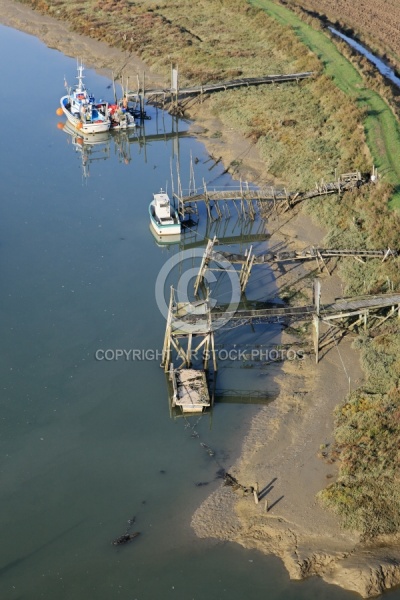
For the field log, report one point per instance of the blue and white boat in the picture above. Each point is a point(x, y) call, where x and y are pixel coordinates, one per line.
point(163, 217)
point(81, 111)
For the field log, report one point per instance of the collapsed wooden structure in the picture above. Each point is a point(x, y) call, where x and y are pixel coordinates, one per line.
point(248, 202)
point(191, 327)
point(224, 261)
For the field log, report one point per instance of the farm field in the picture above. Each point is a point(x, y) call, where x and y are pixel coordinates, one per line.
point(377, 23)
point(380, 125)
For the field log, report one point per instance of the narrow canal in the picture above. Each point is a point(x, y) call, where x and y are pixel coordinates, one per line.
point(382, 67)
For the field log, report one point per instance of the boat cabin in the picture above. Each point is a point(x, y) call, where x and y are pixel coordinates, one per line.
point(163, 208)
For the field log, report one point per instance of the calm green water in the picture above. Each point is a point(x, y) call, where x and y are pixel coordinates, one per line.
point(87, 444)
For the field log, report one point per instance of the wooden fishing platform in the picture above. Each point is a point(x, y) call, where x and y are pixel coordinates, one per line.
point(189, 320)
point(248, 201)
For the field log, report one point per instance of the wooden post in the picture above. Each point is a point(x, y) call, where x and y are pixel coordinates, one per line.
point(316, 336)
point(206, 352)
point(143, 93)
point(255, 492)
point(189, 351)
point(166, 353)
point(215, 364)
point(317, 295)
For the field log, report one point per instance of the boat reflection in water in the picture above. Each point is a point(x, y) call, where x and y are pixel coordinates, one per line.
point(97, 146)
point(94, 147)
point(165, 241)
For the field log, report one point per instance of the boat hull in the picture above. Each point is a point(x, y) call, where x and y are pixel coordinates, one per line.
point(163, 230)
point(92, 127)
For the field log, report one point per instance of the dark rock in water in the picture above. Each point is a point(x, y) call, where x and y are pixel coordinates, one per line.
point(200, 483)
point(220, 474)
point(234, 484)
point(124, 539)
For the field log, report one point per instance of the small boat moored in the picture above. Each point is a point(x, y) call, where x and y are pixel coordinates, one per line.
point(81, 111)
point(189, 390)
point(163, 217)
point(165, 241)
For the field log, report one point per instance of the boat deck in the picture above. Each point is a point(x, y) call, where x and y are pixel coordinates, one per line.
point(190, 390)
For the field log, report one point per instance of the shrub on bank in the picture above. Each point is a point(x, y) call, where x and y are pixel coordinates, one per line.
point(367, 492)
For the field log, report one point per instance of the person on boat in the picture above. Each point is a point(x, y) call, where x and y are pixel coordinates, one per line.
point(124, 103)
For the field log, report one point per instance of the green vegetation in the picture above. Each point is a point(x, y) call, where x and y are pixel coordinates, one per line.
point(367, 492)
point(381, 126)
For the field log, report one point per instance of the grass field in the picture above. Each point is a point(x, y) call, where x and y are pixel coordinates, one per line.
point(381, 126)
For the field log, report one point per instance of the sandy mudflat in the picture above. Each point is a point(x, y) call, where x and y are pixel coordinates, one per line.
point(283, 445)
point(281, 450)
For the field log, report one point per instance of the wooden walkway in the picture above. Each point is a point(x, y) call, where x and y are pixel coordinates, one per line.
point(196, 318)
point(247, 200)
point(212, 258)
point(315, 253)
point(189, 322)
point(308, 254)
point(152, 94)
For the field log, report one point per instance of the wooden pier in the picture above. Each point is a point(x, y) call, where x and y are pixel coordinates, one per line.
point(187, 321)
point(226, 260)
point(248, 201)
point(173, 95)
point(321, 255)
point(313, 252)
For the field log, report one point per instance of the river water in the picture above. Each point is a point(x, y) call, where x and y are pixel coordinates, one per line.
point(87, 444)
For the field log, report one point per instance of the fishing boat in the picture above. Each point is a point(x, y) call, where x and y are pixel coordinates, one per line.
point(81, 111)
point(120, 116)
point(163, 217)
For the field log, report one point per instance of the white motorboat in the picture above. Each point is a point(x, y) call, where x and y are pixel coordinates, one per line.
point(165, 241)
point(163, 217)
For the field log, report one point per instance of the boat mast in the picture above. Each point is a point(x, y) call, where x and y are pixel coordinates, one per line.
point(80, 77)
point(115, 92)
